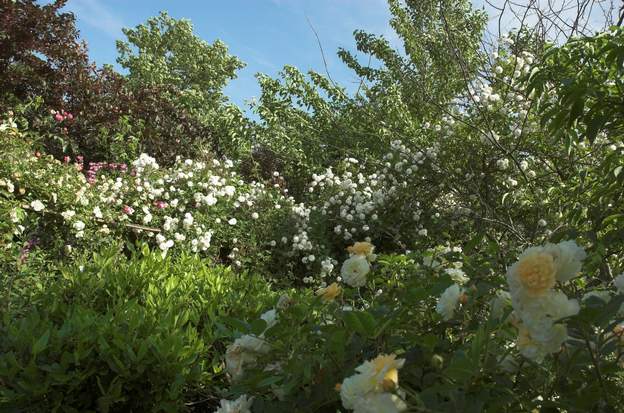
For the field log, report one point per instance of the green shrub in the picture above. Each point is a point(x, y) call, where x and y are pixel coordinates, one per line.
point(118, 334)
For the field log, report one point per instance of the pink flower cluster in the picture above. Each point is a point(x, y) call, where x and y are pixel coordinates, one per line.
point(94, 167)
point(61, 115)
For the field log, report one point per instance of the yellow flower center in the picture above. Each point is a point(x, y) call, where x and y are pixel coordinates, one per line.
point(391, 377)
point(537, 273)
point(390, 380)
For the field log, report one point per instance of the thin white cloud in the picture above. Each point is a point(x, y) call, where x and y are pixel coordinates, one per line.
point(96, 14)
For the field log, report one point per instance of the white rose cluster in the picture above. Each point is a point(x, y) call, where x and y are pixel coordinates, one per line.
point(357, 266)
point(538, 307)
point(183, 204)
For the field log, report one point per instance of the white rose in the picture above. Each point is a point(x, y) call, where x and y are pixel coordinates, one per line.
point(354, 271)
point(568, 258)
point(240, 405)
point(270, 317)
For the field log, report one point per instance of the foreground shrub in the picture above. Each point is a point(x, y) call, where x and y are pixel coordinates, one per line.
point(116, 334)
point(390, 344)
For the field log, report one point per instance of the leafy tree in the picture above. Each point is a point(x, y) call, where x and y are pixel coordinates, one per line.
point(441, 42)
point(40, 54)
point(313, 124)
point(189, 75)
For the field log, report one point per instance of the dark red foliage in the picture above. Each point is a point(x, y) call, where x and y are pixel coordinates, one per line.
point(41, 56)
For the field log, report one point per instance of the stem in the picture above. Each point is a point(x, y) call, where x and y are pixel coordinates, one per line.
point(605, 394)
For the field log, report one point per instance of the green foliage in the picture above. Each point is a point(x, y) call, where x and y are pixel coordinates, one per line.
point(580, 86)
point(112, 328)
point(577, 89)
point(165, 51)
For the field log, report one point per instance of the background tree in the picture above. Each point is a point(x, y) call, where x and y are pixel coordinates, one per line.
point(315, 123)
point(187, 74)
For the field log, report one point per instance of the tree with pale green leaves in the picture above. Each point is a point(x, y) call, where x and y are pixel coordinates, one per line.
point(189, 74)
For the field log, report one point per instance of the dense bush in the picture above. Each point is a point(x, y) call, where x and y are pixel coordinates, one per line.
point(109, 329)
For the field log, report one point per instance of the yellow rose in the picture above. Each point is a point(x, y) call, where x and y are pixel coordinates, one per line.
point(361, 248)
point(330, 292)
point(388, 366)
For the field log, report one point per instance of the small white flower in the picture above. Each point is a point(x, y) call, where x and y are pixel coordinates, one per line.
point(37, 205)
point(229, 190)
point(502, 164)
point(67, 215)
point(232, 221)
point(79, 225)
point(14, 216)
point(457, 275)
point(165, 245)
point(255, 215)
point(97, 212)
point(210, 200)
point(187, 222)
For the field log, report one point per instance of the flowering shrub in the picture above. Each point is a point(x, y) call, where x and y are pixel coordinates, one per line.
point(203, 206)
point(287, 351)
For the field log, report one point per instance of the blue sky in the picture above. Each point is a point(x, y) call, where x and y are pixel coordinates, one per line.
point(265, 34)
